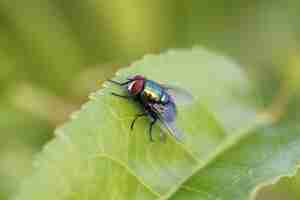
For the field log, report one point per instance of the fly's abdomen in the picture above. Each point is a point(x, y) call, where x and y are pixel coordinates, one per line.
point(164, 98)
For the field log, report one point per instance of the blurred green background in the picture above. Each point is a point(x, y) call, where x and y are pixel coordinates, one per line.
point(52, 52)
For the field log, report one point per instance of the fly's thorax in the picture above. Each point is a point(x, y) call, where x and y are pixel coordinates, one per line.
point(154, 92)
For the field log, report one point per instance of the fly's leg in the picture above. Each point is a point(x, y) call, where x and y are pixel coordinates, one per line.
point(136, 117)
point(119, 83)
point(150, 129)
point(120, 95)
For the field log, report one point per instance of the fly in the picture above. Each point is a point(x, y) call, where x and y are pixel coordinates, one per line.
point(158, 102)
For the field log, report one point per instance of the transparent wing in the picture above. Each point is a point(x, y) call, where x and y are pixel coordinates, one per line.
point(167, 116)
point(173, 130)
point(180, 95)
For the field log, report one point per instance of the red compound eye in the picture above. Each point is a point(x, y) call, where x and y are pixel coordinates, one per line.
point(138, 77)
point(136, 86)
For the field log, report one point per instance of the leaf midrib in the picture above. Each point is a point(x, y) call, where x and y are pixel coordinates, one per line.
point(231, 142)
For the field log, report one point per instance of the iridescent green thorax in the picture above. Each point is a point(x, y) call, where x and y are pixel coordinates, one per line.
point(154, 92)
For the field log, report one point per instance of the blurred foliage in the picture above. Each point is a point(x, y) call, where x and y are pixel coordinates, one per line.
point(53, 52)
point(22, 136)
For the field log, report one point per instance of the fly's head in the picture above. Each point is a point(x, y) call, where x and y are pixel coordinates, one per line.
point(136, 85)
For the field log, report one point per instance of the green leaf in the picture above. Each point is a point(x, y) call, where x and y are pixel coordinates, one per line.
point(285, 188)
point(259, 156)
point(228, 150)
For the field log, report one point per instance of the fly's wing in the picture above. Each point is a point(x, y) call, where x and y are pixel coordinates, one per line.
point(180, 95)
point(167, 116)
point(173, 130)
